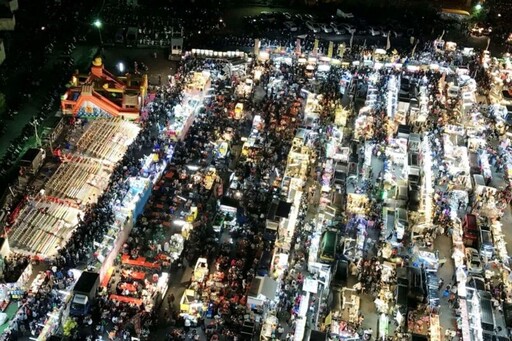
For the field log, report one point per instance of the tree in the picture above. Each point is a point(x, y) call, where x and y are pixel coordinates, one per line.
point(3, 103)
point(69, 326)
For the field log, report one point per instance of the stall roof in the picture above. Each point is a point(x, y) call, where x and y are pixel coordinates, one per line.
point(283, 209)
point(404, 129)
point(417, 337)
point(457, 140)
point(265, 286)
point(227, 201)
point(476, 282)
point(486, 313)
point(29, 156)
point(247, 330)
point(279, 209)
point(317, 336)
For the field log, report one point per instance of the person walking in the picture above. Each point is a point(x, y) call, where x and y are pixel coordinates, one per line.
point(170, 300)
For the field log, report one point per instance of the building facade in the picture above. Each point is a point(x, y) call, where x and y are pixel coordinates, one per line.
point(101, 94)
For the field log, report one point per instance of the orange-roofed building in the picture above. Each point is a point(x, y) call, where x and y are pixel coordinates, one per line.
point(101, 94)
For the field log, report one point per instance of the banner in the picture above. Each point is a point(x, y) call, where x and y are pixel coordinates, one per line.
point(351, 39)
point(315, 47)
point(330, 50)
point(388, 43)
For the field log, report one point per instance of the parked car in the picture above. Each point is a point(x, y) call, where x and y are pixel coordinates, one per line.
point(375, 31)
point(290, 25)
point(345, 15)
point(325, 28)
point(473, 261)
point(397, 34)
point(338, 29)
point(267, 16)
point(481, 29)
point(349, 28)
point(313, 26)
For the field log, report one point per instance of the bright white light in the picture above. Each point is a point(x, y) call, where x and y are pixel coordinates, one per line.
point(478, 7)
point(97, 23)
point(120, 67)
point(179, 222)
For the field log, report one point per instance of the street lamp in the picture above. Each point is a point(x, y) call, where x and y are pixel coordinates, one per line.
point(478, 7)
point(98, 25)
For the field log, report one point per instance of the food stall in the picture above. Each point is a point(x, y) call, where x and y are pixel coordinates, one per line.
point(350, 306)
point(364, 127)
point(279, 265)
point(340, 116)
point(358, 204)
point(16, 290)
point(262, 290)
point(418, 321)
point(200, 270)
point(198, 83)
point(190, 305)
point(341, 330)
point(397, 151)
point(269, 328)
point(238, 112)
point(499, 241)
point(176, 245)
point(209, 178)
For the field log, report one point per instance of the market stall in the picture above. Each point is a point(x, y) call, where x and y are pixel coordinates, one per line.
point(197, 83)
point(191, 305)
point(44, 224)
point(302, 317)
point(358, 203)
point(364, 127)
point(119, 134)
point(82, 179)
point(350, 306)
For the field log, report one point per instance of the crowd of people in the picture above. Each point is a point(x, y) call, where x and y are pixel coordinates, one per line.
point(178, 190)
point(43, 299)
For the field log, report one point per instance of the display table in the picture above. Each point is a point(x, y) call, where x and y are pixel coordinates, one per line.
point(269, 328)
point(435, 328)
point(128, 286)
point(126, 299)
point(357, 204)
point(140, 261)
point(137, 275)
